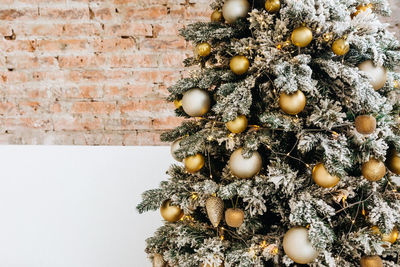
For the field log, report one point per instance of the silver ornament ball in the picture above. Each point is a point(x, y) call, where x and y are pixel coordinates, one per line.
point(235, 9)
point(196, 102)
point(174, 147)
point(377, 74)
point(242, 167)
point(297, 246)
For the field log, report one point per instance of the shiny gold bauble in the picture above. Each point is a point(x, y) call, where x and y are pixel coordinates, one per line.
point(391, 238)
point(371, 261)
point(292, 104)
point(373, 170)
point(377, 74)
point(194, 163)
point(232, 10)
point(203, 49)
point(340, 47)
point(196, 102)
point(234, 217)
point(365, 124)
point(242, 167)
point(216, 16)
point(158, 261)
point(322, 177)
point(174, 147)
point(302, 36)
point(393, 162)
point(215, 210)
point(238, 125)
point(178, 103)
point(362, 8)
point(272, 6)
point(208, 265)
point(171, 213)
point(297, 246)
point(239, 65)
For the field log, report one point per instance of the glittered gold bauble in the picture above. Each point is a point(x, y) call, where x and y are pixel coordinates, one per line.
point(322, 177)
point(292, 104)
point(238, 125)
point(196, 102)
point(203, 49)
point(242, 167)
point(371, 261)
point(373, 170)
point(216, 16)
point(391, 238)
point(298, 247)
point(340, 47)
point(272, 6)
point(365, 124)
point(234, 217)
point(158, 261)
point(215, 210)
point(393, 162)
point(362, 8)
point(171, 213)
point(376, 74)
point(232, 10)
point(174, 147)
point(239, 65)
point(302, 36)
point(194, 163)
point(178, 103)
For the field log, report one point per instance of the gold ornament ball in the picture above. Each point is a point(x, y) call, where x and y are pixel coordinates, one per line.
point(234, 217)
point(215, 210)
point(362, 8)
point(371, 261)
point(322, 177)
point(158, 261)
point(340, 47)
point(365, 124)
point(292, 104)
point(373, 170)
point(174, 147)
point(203, 49)
point(170, 213)
point(216, 16)
point(238, 125)
point(302, 36)
point(239, 65)
point(194, 163)
point(178, 103)
point(297, 246)
point(391, 238)
point(393, 162)
point(232, 10)
point(272, 6)
point(242, 167)
point(196, 102)
point(377, 74)
point(208, 265)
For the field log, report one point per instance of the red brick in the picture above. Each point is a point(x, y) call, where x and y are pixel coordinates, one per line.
point(149, 105)
point(148, 13)
point(134, 61)
point(129, 29)
point(64, 14)
point(18, 14)
point(93, 107)
point(73, 62)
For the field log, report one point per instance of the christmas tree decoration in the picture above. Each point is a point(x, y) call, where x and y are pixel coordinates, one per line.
point(158, 261)
point(292, 104)
point(390, 238)
point(170, 213)
point(216, 16)
point(322, 177)
point(393, 161)
point(234, 217)
point(194, 163)
point(302, 36)
point(365, 124)
point(196, 102)
point(203, 49)
point(208, 265)
point(178, 103)
point(297, 246)
point(272, 6)
point(373, 170)
point(371, 261)
point(328, 36)
point(362, 8)
point(238, 125)
point(174, 147)
point(232, 10)
point(242, 167)
point(340, 47)
point(377, 74)
point(239, 65)
point(215, 210)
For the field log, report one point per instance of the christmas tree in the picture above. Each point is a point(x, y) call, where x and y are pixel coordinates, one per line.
point(290, 145)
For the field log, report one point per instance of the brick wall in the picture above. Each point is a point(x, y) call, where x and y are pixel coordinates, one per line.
point(91, 72)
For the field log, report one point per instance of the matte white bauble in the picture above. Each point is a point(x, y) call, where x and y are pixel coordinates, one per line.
point(377, 74)
point(243, 167)
point(297, 246)
point(174, 147)
point(235, 9)
point(196, 102)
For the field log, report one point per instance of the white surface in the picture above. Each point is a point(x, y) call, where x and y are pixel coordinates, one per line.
point(75, 206)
